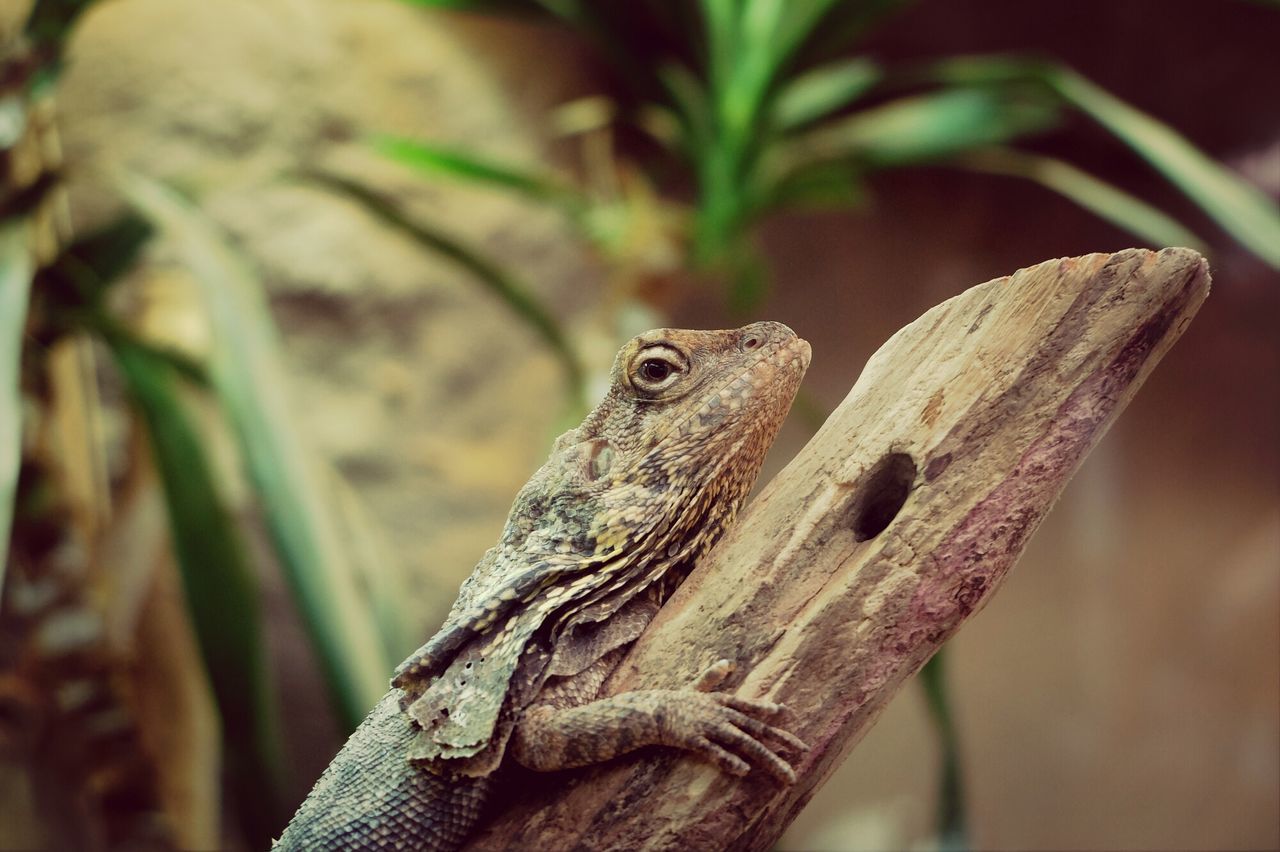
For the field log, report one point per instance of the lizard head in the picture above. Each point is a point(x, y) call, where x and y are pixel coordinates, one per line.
point(689, 410)
point(697, 384)
point(678, 438)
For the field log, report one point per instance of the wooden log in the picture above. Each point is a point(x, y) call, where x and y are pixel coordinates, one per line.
point(895, 524)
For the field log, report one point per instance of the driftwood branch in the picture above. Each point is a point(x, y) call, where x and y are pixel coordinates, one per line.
point(894, 525)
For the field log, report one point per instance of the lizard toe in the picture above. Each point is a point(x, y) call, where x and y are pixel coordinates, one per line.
point(706, 720)
point(726, 760)
point(763, 730)
point(713, 675)
point(752, 706)
point(759, 753)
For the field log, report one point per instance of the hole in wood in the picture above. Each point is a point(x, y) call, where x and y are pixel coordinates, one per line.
point(884, 491)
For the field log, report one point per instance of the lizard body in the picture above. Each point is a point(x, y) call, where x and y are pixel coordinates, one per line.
point(595, 542)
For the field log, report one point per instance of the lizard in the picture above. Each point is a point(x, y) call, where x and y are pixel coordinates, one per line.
point(595, 542)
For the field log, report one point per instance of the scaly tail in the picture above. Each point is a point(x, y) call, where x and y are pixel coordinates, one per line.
point(371, 797)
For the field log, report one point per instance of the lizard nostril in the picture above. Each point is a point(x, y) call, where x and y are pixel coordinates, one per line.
point(751, 341)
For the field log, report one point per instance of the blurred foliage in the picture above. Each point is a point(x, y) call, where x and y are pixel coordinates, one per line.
point(761, 106)
point(218, 576)
point(71, 285)
point(69, 289)
point(249, 382)
point(1242, 210)
point(503, 283)
point(15, 285)
point(1097, 196)
point(216, 572)
point(46, 33)
point(481, 170)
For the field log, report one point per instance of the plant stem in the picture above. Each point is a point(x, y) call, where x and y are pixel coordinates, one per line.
point(950, 820)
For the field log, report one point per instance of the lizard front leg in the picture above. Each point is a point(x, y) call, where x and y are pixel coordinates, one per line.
point(564, 728)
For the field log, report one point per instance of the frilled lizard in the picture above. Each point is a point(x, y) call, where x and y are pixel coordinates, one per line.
point(595, 542)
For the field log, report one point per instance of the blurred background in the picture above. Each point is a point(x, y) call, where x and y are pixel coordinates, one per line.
point(295, 295)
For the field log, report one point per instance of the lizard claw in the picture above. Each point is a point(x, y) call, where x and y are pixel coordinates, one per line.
point(713, 675)
point(728, 730)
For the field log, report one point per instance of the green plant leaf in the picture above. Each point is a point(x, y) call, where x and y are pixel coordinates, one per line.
point(249, 379)
point(450, 162)
point(110, 251)
point(16, 272)
point(799, 23)
point(689, 98)
point(50, 21)
point(370, 555)
point(721, 24)
point(664, 125)
point(838, 25)
point(221, 592)
point(517, 295)
point(82, 272)
point(757, 53)
point(1242, 210)
point(1098, 197)
point(822, 186)
point(76, 283)
point(921, 128)
point(818, 93)
point(47, 29)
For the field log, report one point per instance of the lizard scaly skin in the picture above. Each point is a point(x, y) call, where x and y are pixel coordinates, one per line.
point(595, 542)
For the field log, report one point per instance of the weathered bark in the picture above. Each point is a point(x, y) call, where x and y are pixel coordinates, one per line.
point(826, 594)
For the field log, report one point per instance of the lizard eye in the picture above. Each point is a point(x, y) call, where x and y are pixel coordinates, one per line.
point(657, 368)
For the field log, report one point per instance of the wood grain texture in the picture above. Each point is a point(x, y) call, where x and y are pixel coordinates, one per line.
point(977, 413)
